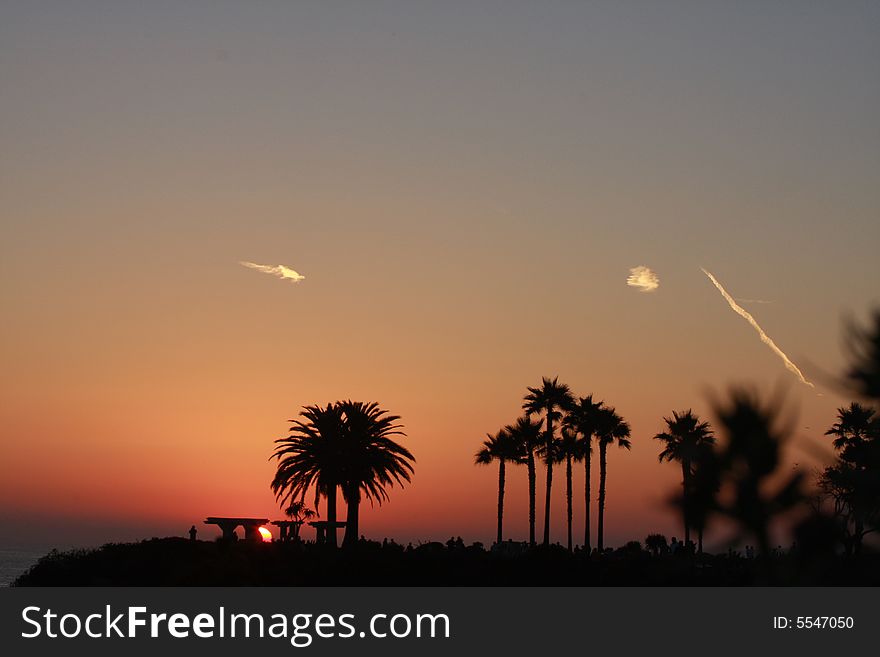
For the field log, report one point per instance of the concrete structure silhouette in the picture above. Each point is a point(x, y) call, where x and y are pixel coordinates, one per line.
point(321, 528)
point(228, 525)
point(288, 530)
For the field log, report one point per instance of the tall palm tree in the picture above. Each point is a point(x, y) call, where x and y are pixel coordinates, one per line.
point(583, 418)
point(570, 450)
point(371, 460)
point(501, 447)
point(548, 399)
point(611, 428)
point(526, 433)
point(683, 441)
point(311, 456)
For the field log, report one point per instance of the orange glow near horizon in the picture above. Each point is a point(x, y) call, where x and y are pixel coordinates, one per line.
point(266, 534)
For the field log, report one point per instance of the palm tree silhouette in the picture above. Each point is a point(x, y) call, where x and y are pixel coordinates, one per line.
point(311, 456)
point(611, 428)
point(548, 399)
point(854, 425)
point(863, 373)
point(684, 440)
point(501, 447)
point(583, 418)
point(570, 450)
point(299, 513)
point(371, 459)
point(734, 479)
point(854, 480)
point(526, 433)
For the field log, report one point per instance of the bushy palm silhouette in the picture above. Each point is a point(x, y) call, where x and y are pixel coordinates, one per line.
point(311, 457)
point(346, 445)
point(372, 460)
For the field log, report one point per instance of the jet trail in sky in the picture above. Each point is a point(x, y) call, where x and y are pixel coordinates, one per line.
point(766, 339)
point(280, 271)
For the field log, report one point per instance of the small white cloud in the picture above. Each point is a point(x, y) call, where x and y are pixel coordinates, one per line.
point(643, 278)
point(285, 273)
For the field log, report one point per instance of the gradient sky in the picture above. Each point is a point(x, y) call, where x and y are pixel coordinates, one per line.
point(465, 187)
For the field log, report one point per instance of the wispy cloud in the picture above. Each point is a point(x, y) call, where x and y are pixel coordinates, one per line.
point(766, 339)
point(281, 271)
point(643, 278)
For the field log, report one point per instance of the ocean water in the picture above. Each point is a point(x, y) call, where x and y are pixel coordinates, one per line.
point(14, 562)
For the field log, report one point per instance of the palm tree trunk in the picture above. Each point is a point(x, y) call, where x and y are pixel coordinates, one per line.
point(352, 523)
point(549, 455)
point(685, 492)
point(500, 500)
point(331, 516)
point(587, 546)
point(700, 540)
point(602, 465)
point(568, 495)
point(531, 466)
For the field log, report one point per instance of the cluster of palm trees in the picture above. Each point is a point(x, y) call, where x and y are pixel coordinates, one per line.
point(345, 447)
point(534, 436)
point(582, 423)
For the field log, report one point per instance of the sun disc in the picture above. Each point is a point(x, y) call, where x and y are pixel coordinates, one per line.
point(266, 534)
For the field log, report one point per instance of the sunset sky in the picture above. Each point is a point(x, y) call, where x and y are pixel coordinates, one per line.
point(465, 187)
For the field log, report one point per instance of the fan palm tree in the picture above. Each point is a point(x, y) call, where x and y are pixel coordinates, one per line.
point(683, 441)
point(583, 418)
point(311, 457)
point(526, 434)
point(371, 460)
point(853, 426)
point(548, 399)
point(504, 448)
point(611, 428)
point(569, 450)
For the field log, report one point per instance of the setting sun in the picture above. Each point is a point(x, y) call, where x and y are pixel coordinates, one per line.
point(266, 534)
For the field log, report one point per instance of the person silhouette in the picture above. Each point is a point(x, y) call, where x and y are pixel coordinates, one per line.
point(192, 533)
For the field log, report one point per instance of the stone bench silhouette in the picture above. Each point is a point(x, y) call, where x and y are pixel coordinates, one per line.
point(322, 527)
point(228, 525)
point(288, 530)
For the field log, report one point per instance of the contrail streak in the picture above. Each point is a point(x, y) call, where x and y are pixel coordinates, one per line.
point(766, 339)
point(280, 271)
